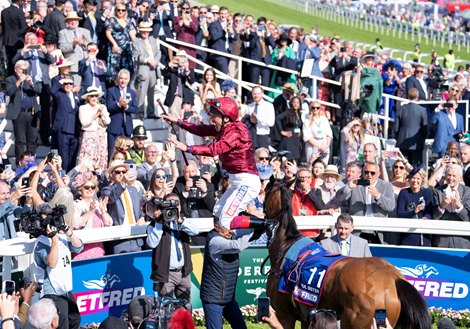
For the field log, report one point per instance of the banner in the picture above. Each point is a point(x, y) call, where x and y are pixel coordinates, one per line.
point(105, 286)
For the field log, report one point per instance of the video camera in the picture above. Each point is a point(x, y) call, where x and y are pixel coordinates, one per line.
point(168, 209)
point(35, 222)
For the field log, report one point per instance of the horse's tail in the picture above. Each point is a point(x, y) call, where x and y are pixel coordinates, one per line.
point(414, 312)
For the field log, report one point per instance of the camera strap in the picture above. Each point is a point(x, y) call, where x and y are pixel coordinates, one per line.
point(52, 234)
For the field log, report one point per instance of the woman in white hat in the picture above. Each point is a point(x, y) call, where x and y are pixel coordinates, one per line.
point(94, 118)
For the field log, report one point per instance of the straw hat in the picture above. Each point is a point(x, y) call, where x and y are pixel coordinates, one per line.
point(116, 164)
point(66, 80)
point(91, 91)
point(63, 63)
point(72, 15)
point(145, 26)
point(331, 170)
point(289, 87)
point(215, 9)
point(370, 54)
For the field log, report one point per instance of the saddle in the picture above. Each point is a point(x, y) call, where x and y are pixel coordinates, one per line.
point(304, 270)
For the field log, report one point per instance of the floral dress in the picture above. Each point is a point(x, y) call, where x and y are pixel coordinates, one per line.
point(123, 60)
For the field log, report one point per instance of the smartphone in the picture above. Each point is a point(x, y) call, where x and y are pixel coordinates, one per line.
point(380, 315)
point(8, 287)
point(342, 49)
point(187, 114)
point(25, 182)
point(363, 182)
point(33, 46)
point(447, 105)
point(263, 308)
point(205, 168)
point(8, 168)
point(50, 157)
point(25, 71)
point(133, 168)
point(261, 27)
point(392, 154)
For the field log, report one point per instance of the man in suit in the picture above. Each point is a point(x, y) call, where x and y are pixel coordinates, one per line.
point(344, 61)
point(93, 70)
point(39, 60)
point(449, 126)
point(260, 42)
point(417, 81)
point(411, 128)
point(452, 202)
point(220, 35)
point(147, 55)
point(162, 27)
point(373, 199)
point(181, 78)
point(66, 124)
point(121, 102)
point(465, 157)
point(73, 41)
point(14, 27)
point(23, 108)
point(123, 204)
point(343, 242)
point(54, 20)
point(89, 21)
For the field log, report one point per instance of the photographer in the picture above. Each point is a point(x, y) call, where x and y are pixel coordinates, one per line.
point(53, 260)
point(7, 217)
point(168, 236)
point(449, 125)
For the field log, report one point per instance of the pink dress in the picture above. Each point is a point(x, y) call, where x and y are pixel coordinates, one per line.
point(90, 250)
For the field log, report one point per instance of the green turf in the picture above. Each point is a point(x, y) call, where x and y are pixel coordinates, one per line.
point(285, 15)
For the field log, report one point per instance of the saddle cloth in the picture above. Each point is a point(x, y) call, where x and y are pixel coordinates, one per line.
point(304, 271)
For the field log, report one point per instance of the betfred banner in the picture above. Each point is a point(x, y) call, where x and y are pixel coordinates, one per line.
point(105, 286)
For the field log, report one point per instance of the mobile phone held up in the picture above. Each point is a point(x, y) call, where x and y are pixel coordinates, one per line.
point(380, 315)
point(8, 287)
point(263, 308)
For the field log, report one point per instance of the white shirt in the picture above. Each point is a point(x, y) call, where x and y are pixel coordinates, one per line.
point(265, 116)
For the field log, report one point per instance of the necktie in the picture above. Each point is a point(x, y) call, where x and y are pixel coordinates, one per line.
point(128, 209)
point(175, 235)
point(96, 80)
point(256, 108)
point(148, 48)
point(344, 249)
point(263, 46)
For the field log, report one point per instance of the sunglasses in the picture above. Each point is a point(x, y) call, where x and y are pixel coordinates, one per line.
point(118, 172)
point(315, 108)
point(158, 176)
point(67, 83)
point(366, 172)
point(264, 158)
point(89, 187)
point(303, 178)
point(120, 10)
point(455, 89)
point(419, 71)
point(398, 167)
point(93, 96)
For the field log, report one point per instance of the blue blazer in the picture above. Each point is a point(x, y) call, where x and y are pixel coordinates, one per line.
point(412, 82)
point(217, 37)
point(163, 23)
point(66, 116)
point(117, 126)
point(254, 51)
point(445, 131)
point(87, 76)
point(115, 205)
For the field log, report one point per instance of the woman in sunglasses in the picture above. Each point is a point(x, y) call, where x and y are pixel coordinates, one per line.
point(159, 186)
point(90, 212)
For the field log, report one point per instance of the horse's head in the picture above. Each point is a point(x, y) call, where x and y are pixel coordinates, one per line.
point(278, 206)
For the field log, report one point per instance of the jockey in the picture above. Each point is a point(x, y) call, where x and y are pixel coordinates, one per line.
point(234, 147)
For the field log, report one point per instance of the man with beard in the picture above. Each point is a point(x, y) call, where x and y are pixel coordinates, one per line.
point(234, 147)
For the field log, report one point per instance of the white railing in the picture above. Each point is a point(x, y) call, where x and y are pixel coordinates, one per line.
point(23, 246)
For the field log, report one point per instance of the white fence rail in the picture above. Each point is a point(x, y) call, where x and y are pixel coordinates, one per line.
point(23, 246)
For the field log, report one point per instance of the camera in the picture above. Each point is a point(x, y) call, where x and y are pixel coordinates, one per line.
point(363, 182)
point(35, 222)
point(25, 282)
point(411, 206)
point(169, 210)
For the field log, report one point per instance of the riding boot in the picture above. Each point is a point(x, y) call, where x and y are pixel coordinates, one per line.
point(259, 224)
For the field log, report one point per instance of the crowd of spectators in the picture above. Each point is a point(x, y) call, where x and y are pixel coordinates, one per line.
point(79, 75)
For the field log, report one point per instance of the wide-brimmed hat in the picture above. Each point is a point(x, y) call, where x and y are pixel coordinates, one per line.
point(289, 87)
point(91, 91)
point(181, 53)
point(116, 164)
point(215, 9)
point(284, 37)
point(66, 80)
point(331, 170)
point(145, 26)
point(370, 54)
point(72, 15)
point(63, 63)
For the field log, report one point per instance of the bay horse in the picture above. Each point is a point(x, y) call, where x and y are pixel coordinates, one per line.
point(353, 287)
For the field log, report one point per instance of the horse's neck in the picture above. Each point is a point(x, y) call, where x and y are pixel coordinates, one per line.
point(279, 246)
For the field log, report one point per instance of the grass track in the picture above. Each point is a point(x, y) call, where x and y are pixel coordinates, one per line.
point(285, 15)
